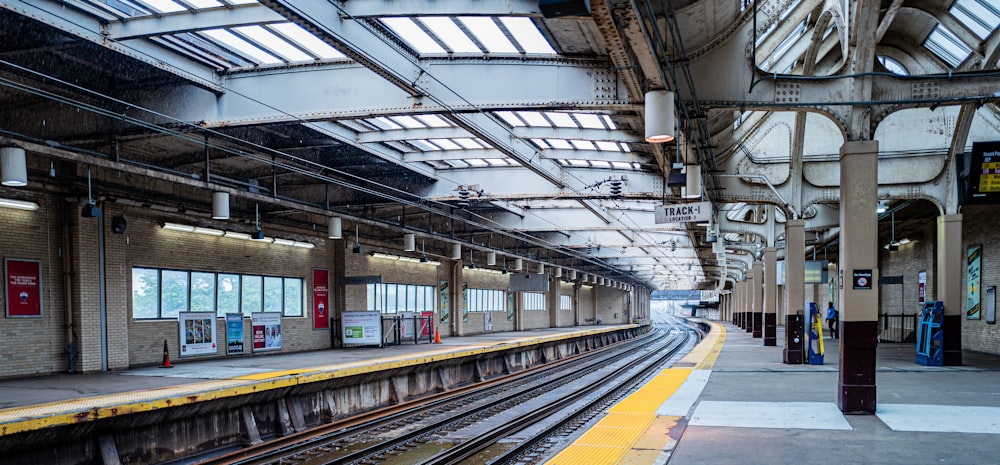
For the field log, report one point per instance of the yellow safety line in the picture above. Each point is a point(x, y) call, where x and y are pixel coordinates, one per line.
point(34, 417)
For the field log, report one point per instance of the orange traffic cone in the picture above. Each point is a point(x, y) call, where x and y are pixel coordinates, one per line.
point(166, 356)
point(437, 336)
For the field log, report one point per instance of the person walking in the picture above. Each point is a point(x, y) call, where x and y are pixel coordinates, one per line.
point(832, 318)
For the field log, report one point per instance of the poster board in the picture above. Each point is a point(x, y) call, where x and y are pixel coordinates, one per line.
point(197, 333)
point(321, 298)
point(361, 328)
point(974, 257)
point(234, 334)
point(266, 330)
point(23, 290)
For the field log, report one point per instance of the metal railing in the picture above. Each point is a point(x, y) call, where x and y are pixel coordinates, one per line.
point(395, 331)
point(898, 328)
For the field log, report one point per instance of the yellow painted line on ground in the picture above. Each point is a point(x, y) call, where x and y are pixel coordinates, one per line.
point(704, 355)
point(608, 441)
point(660, 437)
point(29, 418)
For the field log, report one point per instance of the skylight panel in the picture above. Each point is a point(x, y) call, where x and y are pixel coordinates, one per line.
point(601, 164)
point(477, 162)
point(408, 122)
point(589, 121)
point(424, 145)
point(413, 35)
point(307, 40)
point(468, 143)
point(201, 4)
point(510, 118)
point(561, 120)
point(947, 46)
point(488, 34)
point(445, 29)
point(625, 147)
point(541, 143)
point(559, 144)
point(534, 119)
point(893, 65)
point(608, 146)
point(497, 161)
point(583, 145)
point(979, 15)
point(273, 43)
point(527, 34)
point(384, 123)
point(164, 6)
point(611, 124)
point(434, 121)
point(446, 144)
point(241, 2)
point(238, 44)
point(578, 162)
point(623, 165)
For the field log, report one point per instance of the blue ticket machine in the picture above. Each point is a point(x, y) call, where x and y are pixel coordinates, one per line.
point(815, 335)
point(929, 334)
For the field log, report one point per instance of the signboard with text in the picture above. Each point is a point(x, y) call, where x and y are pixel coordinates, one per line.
point(197, 331)
point(234, 333)
point(266, 330)
point(364, 328)
point(24, 287)
point(683, 212)
point(321, 298)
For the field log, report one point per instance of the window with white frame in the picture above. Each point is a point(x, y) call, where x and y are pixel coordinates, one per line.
point(394, 298)
point(533, 301)
point(487, 300)
point(162, 293)
point(565, 302)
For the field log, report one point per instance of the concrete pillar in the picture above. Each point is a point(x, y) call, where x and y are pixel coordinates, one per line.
point(552, 298)
point(457, 299)
point(859, 267)
point(795, 287)
point(757, 294)
point(748, 302)
point(770, 297)
point(951, 261)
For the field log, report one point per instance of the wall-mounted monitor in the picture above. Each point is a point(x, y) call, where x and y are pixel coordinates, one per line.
point(816, 271)
point(979, 174)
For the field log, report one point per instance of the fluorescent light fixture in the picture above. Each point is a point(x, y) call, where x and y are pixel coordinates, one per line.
point(209, 231)
point(303, 245)
point(237, 235)
point(283, 241)
point(385, 256)
point(19, 204)
point(904, 241)
point(178, 227)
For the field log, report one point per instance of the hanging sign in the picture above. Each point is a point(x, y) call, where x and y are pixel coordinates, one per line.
point(24, 287)
point(682, 213)
point(321, 298)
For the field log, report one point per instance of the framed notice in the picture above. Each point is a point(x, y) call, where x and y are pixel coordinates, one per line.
point(321, 298)
point(974, 258)
point(234, 333)
point(363, 328)
point(921, 287)
point(443, 300)
point(991, 305)
point(266, 329)
point(197, 331)
point(23, 292)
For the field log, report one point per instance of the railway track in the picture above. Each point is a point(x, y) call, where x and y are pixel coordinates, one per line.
point(567, 394)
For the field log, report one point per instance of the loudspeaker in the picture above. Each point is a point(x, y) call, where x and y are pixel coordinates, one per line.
point(118, 224)
point(90, 211)
point(561, 8)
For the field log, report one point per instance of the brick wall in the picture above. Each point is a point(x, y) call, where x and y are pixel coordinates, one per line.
point(979, 227)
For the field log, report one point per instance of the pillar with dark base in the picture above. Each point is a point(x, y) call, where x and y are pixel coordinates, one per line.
point(856, 387)
point(757, 296)
point(770, 296)
point(795, 286)
point(950, 268)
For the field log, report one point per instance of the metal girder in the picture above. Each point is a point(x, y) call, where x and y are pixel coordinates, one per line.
point(517, 182)
point(520, 132)
point(188, 20)
point(347, 136)
point(90, 28)
point(370, 8)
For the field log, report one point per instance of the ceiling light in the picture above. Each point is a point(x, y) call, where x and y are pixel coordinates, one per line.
point(659, 111)
point(13, 166)
point(178, 227)
point(518, 264)
point(220, 205)
point(283, 241)
point(236, 235)
point(456, 251)
point(491, 258)
point(335, 227)
point(693, 182)
point(209, 231)
point(18, 204)
point(409, 242)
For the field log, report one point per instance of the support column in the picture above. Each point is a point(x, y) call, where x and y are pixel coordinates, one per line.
point(757, 294)
point(950, 263)
point(457, 296)
point(859, 267)
point(795, 289)
point(770, 307)
point(748, 302)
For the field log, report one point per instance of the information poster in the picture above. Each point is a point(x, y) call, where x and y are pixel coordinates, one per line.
point(488, 321)
point(444, 300)
point(921, 287)
point(364, 328)
point(321, 298)
point(991, 304)
point(407, 320)
point(24, 287)
point(234, 333)
point(197, 330)
point(266, 331)
point(426, 324)
point(974, 260)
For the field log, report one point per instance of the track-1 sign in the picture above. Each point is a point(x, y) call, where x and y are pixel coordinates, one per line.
point(683, 212)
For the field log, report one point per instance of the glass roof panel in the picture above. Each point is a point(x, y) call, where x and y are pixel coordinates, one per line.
point(541, 143)
point(307, 40)
point(893, 65)
point(445, 29)
point(488, 33)
point(510, 118)
point(384, 123)
point(446, 144)
point(608, 146)
point(424, 145)
point(607, 121)
point(578, 162)
point(498, 161)
point(622, 165)
point(979, 15)
point(561, 120)
point(273, 43)
point(625, 147)
point(477, 162)
point(947, 46)
point(236, 43)
point(583, 145)
point(163, 6)
point(434, 121)
point(589, 121)
point(534, 119)
point(408, 122)
point(413, 34)
point(468, 143)
point(199, 4)
point(559, 144)
point(523, 30)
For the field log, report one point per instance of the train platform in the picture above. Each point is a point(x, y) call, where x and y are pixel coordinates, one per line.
point(35, 403)
point(733, 401)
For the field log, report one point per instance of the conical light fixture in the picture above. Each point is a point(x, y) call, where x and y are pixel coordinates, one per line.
point(659, 111)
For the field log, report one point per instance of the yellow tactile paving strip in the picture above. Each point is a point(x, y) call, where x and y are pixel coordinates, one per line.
point(35, 417)
point(631, 433)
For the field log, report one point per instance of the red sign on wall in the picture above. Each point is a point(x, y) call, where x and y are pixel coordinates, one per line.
point(321, 298)
point(24, 287)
